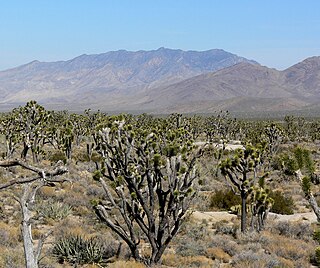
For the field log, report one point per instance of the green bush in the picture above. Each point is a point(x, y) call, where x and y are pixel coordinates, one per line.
point(224, 199)
point(316, 235)
point(285, 163)
point(56, 156)
point(317, 255)
point(282, 204)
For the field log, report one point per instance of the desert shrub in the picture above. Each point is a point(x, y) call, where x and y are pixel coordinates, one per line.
point(282, 204)
point(285, 163)
point(224, 199)
point(190, 249)
point(290, 251)
point(316, 235)
point(217, 254)
point(79, 250)
point(226, 243)
point(227, 229)
point(78, 202)
point(82, 156)
point(125, 264)
point(56, 156)
point(192, 240)
point(2, 216)
point(254, 259)
point(174, 260)
point(298, 230)
point(9, 235)
point(11, 257)
point(95, 191)
point(46, 192)
point(316, 258)
point(252, 237)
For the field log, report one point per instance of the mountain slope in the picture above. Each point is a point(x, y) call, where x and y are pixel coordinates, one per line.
point(163, 81)
point(242, 87)
point(304, 77)
point(89, 78)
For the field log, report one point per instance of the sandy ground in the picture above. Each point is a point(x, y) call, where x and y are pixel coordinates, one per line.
point(213, 217)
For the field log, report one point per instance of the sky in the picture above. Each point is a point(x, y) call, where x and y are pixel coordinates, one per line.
point(276, 33)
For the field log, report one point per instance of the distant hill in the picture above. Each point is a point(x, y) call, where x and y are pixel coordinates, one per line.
point(163, 81)
point(107, 79)
point(243, 87)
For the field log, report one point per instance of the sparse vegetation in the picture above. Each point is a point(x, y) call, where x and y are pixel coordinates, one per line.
point(133, 182)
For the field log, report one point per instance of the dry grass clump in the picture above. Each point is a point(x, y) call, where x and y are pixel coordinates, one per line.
point(11, 257)
point(126, 264)
point(9, 235)
point(216, 253)
point(226, 243)
point(252, 259)
point(298, 230)
point(75, 226)
point(47, 192)
point(295, 250)
point(192, 240)
point(174, 260)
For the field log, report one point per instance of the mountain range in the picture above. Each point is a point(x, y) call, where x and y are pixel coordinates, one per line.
point(163, 81)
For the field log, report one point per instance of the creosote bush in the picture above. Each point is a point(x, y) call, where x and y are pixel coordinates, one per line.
point(298, 230)
point(316, 235)
point(224, 199)
point(282, 204)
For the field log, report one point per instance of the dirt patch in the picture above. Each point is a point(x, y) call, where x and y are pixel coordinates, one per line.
point(213, 217)
point(218, 216)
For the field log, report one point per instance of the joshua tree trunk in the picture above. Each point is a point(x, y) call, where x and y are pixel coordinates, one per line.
point(243, 211)
point(25, 201)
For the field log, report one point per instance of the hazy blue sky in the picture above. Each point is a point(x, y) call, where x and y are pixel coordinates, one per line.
point(276, 33)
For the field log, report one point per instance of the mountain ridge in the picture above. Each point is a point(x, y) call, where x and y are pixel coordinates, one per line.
point(247, 84)
point(163, 81)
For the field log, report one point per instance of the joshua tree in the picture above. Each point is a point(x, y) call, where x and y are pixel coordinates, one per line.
point(261, 203)
point(11, 131)
point(240, 171)
point(148, 176)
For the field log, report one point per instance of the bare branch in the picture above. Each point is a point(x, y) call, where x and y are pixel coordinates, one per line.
point(41, 172)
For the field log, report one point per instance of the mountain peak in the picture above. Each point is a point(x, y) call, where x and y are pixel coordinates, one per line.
point(308, 63)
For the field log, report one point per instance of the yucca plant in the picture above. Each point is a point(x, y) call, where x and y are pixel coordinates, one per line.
point(54, 210)
point(79, 250)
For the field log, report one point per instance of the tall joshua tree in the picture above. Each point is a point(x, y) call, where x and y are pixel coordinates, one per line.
point(148, 176)
point(241, 174)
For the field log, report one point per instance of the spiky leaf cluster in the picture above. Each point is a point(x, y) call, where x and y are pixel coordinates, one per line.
point(77, 250)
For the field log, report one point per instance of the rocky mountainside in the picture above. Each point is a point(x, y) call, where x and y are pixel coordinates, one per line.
point(107, 78)
point(243, 87)
point(163, 81)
